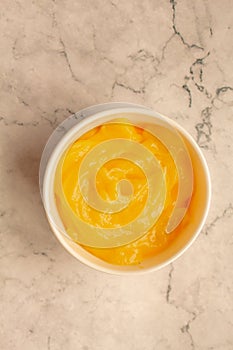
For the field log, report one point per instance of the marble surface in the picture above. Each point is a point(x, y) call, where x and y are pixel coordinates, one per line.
point(56, 58)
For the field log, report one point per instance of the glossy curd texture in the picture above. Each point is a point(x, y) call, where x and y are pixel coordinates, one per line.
point(107, 179)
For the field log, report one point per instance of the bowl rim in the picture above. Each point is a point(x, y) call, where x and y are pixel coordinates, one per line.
point(68, 139)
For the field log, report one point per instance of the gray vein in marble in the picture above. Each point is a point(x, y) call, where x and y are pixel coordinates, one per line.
point(35, 252)
point(199, 62)
point(113, 4)
point(23, 102)
point(227, 212)
point(143, 55)
point(53, 118)
point(176, 31)
point(209, 17)
point(196, 78)
point(64, 53)
point(14, 51)
point(186, 329)
point(17, 122)
point(2, 213)
point(48, 342)
point(97, 50)
point(204, 129)
point(186, 88)
point(169, 286)
point(54, 17)
point(116, 83)
point(165, 47)
point(220, 93)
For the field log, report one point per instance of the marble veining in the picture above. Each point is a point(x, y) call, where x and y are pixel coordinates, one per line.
point(58, 57)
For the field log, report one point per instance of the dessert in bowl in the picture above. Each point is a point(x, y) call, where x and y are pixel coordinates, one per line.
point(126, 190)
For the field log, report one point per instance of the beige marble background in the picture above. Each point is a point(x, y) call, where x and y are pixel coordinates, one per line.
point(62, 55)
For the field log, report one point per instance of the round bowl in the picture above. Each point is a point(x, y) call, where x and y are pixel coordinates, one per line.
point(79, 124)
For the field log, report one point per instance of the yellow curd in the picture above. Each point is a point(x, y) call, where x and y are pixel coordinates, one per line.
point(107, 180)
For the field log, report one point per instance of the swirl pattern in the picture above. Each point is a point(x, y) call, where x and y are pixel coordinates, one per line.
point(118, 180)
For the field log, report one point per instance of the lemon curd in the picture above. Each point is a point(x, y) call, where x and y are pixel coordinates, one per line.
point(156, 239)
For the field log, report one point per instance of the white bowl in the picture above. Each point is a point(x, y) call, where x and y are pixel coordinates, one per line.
point(87, 119)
